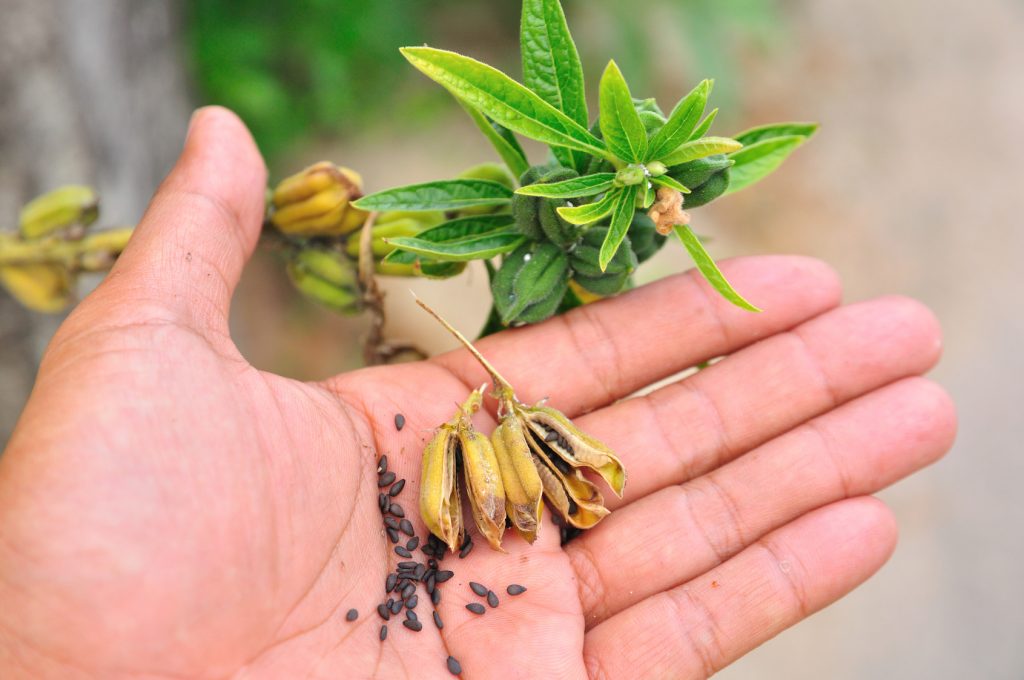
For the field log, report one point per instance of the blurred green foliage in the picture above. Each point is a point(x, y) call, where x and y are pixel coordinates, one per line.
point(297, 68)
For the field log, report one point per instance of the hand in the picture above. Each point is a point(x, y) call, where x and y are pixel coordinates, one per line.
point(168, 510)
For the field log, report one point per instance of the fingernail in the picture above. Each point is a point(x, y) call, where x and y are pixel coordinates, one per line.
point(192, 122)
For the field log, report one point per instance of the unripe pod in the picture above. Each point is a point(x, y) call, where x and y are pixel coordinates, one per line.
point(537, 217)
point(588, 274)
point(495, 172)
point(709, 191)
point(327, 277)
point(39, 287)
point(644, 238)
point(530, 283)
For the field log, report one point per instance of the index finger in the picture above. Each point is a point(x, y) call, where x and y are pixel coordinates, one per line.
point(599, 353)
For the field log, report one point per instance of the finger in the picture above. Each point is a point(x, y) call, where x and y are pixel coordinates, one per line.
point(694, 630)
point(598, 353)
point(694, 425)
point(187, 253)
point(855, 450)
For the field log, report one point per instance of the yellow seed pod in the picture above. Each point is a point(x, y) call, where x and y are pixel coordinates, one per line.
point(39, 287)
point(584, 295)
point(483, 484)
point(440, 506)
point(58, 210)
point(317, 202)
point(522, 484)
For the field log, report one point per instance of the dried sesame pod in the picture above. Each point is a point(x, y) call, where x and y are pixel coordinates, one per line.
point(575, 499)
point(440, 506)
point(39, 287)
point(59, 210)
point(483, 484)
point(523, 490)
point(552, 427)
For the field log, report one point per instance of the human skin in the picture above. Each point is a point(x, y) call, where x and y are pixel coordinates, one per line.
point(167, 510)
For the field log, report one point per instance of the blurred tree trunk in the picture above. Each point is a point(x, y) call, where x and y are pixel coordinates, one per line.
point(90, 93)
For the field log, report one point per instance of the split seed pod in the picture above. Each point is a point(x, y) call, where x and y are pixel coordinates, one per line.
point(523, 488)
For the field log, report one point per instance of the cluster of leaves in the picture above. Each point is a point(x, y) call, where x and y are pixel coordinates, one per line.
point(576, 225)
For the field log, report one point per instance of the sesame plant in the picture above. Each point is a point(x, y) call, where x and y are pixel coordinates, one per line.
point(553, 233)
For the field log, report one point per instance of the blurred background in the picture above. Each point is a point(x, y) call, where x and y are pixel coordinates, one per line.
point(911, 187)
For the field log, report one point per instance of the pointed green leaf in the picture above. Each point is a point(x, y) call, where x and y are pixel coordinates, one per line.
point(622, 217)
point(701, 148)
point(705, 125)
point(551, 66)
point(709, 269)
point(590, 212)
point(757, 161)
point(621, 127)
point(457, 240)
point(666, 181)
point(504, 100)
point(452, 194)
point(503, 141)
point(756, 134)
point(681, 124)
point(577, 187)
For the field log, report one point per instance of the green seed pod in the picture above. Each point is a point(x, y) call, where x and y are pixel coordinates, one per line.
point(708, 191)
point(495, 172)
point(327, 277)
point(695, 173)
point(644, 238)
point(530, 283)
point(536, 217)
point(588, 274)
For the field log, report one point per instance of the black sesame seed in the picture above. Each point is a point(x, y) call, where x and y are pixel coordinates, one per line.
point(413, 625)
point(396, 510)
point(478, 588)
point(399, 421)
point(382, 465)
point(551, 436)
point(435, 597)
point(386, 479)
point(432, 563)
point(406, 528)
point(476, 608)
point(453, 666)
point(383, 633)
point(402, 552)
point(515, 589)
point(397, 487)
point(412, 602)
point(444, 575)
point(352, 615)
point(431, 583)
point(408, 591)
point(393, 535)
point(412, 543)
point(410, 615)
point(492, 599)
point(407, 565)
point(573, 508)
point(466, 549)
point(437, 620)
point(391, 522)
point(421, 570)
point(383, 612)
point(389, 585)
point(383, 501)
point(396, 606)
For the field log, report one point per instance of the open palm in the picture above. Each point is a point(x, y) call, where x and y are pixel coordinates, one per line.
point(167, 510)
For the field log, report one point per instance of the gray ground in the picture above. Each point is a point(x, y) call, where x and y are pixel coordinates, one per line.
point(911, 187)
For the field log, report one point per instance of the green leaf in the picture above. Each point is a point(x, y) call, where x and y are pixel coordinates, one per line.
point(666, 181)
point(530, 283)
point(590, 212)
point(452, 194)
point(456, 240)
point(705, 125)
point(757, 161)
point(588, 185)
point(551, 65)
point(681, 123)
point(504, 100)
point(709, 269)
point(701, 148)
point(756, 134)
point(503, 141)
point(622, 217)
point(621, 127)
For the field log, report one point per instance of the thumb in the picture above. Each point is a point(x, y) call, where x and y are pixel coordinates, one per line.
point(185, 258)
